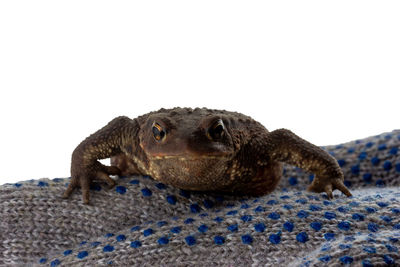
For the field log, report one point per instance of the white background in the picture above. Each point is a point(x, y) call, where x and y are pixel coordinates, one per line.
point(327, 70)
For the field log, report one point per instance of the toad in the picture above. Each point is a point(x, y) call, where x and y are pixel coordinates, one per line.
point(200, 149)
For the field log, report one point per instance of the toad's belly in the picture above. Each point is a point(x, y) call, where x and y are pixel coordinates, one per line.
point(192, 174)
point(205, 174)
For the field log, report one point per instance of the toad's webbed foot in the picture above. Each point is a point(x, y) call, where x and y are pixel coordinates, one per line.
point(327, 185)
point(83, 177)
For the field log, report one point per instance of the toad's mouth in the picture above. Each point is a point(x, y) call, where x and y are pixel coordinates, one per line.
point(185, 151)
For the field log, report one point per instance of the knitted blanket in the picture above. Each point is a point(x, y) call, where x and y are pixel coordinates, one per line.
point(143, 222)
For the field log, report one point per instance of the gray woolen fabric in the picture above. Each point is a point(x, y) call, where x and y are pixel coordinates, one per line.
point(143, 222)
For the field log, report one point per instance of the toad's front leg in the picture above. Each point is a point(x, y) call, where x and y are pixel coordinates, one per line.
point(116, 137)
point(283, 145)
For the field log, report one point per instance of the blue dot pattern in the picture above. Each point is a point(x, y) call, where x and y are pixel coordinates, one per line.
point(219, 240)
point(189, 221)
point(259, 227)
point(344, 225)
point(55, 262)
point(190, 240)
point(136, 244)
point(325, 258)
point(121, 189)
point(108, 248)
point(302, 237)
point(161, 186)
point(233, 227)
point(247, 239)
point(316, 226)
point(195, 208)
point(146, 192)
point(144, 215)
point(163, 240)
point(274, 216)
point(203, 228)
point(135, 228)
point(176, 230)
point(346, 259)
point(171, 200)
point(82, 254)
point(329, 236)
point(148, 232)
point(121, 238)
point(292, 180)
point(329, 215)
point(288, 226)
point(42, 184)
point(275, 238)
point(303, 214)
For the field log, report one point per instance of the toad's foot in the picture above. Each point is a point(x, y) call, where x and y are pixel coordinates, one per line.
point(83, 178)
point(327, 185)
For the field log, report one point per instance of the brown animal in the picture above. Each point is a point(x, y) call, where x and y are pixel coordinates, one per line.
point(200, 149)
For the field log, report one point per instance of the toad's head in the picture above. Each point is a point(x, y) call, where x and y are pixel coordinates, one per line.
point(186, 146)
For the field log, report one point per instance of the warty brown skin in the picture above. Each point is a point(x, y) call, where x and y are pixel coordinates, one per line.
point(202, 150)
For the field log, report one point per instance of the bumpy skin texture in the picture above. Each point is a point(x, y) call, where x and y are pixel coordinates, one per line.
point(200, 149)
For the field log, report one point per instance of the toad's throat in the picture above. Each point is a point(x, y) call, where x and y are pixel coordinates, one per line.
point(189, 158)
point(191, 173)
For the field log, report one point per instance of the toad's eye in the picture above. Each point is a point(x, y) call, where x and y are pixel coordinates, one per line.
point(216, 131)
point(158, 132)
